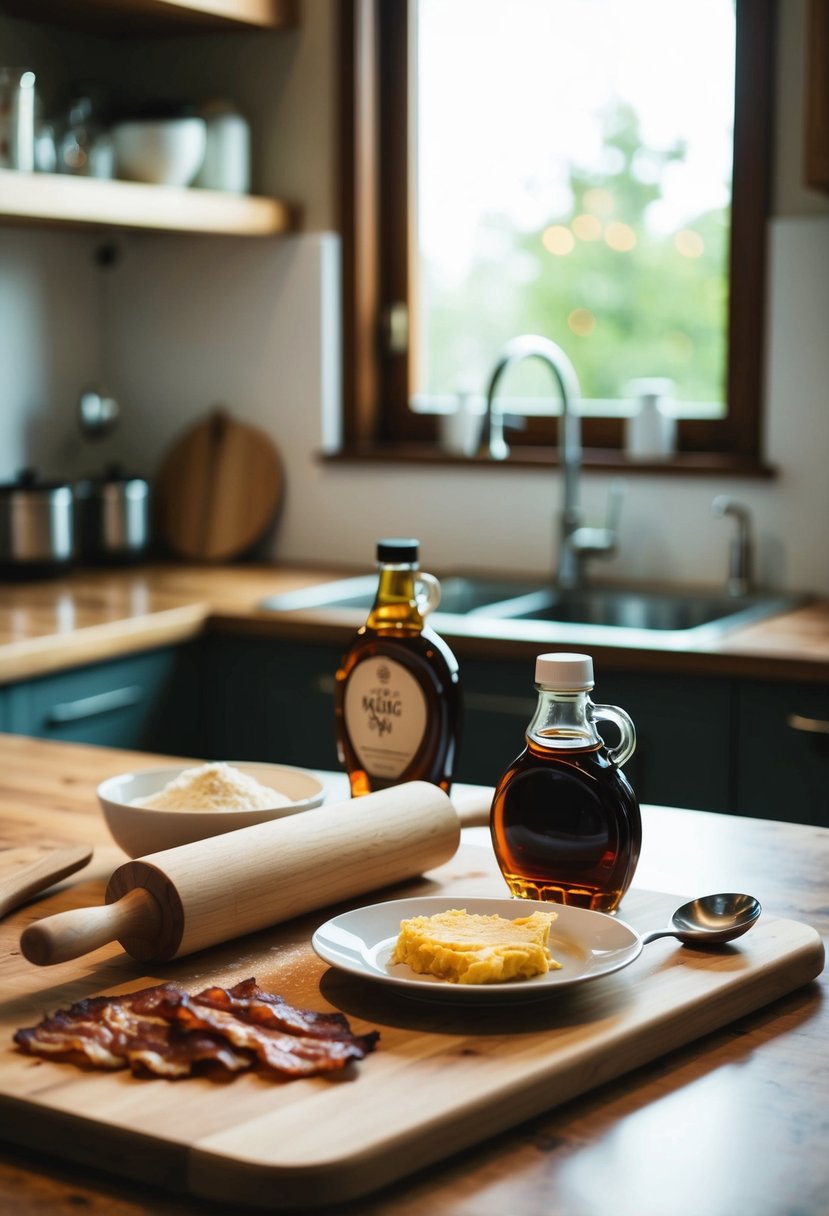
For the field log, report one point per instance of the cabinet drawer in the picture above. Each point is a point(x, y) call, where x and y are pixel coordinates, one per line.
point(142, 702)
point(783, 751)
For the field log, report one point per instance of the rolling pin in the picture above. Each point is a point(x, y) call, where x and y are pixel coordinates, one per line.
point(181, 900)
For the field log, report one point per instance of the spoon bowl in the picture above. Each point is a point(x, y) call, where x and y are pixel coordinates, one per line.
point(710, 919)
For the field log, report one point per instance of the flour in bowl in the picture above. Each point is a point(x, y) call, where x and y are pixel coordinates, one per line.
point(213, 787)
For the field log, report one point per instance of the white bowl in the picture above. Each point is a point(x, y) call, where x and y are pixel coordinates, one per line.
point(140, 830)
point(162, 151)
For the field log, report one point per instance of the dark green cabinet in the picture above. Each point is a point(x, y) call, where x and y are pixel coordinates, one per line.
point(271, 700)
point(148, 702)
point(682, 756)
point(783, 752)
point(740, 746)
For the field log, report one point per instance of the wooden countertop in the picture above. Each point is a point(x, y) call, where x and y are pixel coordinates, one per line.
point(731, 1123)
point(93, 615)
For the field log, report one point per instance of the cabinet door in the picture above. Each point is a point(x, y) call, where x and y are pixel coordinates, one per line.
point(783, 752)
point(272, 700)
point(682, 755)
point(146, 702)
point(684, 740)
point(498, 701)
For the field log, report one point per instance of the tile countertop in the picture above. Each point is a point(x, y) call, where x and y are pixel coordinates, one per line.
point(93, 615)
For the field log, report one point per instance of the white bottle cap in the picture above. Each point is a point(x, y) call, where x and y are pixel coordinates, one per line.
point(564, 672)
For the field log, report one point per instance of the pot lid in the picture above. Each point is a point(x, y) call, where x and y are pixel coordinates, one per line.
point(29, 479)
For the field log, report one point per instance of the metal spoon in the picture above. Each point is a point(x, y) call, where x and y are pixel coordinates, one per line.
point(709, 919)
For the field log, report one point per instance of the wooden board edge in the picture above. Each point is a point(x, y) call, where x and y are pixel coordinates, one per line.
point(256, 1185)
point(107, 1150)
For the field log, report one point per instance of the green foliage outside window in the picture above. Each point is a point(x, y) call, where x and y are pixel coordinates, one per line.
point(653, 306)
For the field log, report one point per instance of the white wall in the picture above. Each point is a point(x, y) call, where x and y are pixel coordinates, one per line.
point(49, 346)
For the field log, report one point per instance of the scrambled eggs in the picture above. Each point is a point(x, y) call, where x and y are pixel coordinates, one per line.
point(469, 949)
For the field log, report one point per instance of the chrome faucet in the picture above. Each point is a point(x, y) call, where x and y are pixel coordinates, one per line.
point(577, 542)
point(740, 552)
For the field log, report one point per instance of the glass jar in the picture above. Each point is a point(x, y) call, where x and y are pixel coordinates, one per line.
point(565, 822)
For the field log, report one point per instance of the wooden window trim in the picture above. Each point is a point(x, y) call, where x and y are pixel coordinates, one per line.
point(816, 151)
point(374, 224)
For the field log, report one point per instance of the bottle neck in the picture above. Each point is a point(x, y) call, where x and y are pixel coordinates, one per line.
point(563, 720)
point(395, 604)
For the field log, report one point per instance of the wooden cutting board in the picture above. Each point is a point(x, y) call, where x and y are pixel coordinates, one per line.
point(442, 1078)
point(218, 490)
point(25, 871)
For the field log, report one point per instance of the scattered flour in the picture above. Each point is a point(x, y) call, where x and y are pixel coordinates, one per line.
point(213, 787)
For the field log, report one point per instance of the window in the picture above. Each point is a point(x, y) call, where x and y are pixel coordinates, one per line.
point(636, 241)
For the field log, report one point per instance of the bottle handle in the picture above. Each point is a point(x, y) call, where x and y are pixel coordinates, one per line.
point(627, 732)
point(427, 593)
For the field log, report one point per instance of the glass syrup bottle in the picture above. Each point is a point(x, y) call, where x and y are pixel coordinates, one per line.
point(397, 692)
point(565, 822)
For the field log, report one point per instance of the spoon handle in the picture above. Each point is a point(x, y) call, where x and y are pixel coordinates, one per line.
point(657, 933)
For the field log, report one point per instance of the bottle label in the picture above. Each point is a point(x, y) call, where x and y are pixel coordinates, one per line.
point(385, 712)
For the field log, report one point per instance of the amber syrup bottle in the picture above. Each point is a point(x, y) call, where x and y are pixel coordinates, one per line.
point(565, 822)
point(397, 694)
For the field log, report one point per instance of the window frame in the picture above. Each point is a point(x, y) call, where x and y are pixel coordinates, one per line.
point(377, 247)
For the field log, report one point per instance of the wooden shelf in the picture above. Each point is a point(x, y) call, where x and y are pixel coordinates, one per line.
point(156, 16)
point(58, 200)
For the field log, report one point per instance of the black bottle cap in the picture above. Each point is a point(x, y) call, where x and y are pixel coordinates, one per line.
point(398, 549)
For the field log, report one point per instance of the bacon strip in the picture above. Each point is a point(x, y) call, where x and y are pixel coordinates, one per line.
point(268, 1009)
point(165, 1031)
point(294, 1054)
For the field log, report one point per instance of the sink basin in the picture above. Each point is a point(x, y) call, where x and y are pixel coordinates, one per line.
point(459, 595)
point(625, 611)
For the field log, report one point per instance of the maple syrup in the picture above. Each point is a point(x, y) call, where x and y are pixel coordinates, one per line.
point(397, 692)
point(565, 822)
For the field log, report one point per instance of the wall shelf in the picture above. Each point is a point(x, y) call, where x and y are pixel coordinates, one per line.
point(60, 201)
point(156, 16)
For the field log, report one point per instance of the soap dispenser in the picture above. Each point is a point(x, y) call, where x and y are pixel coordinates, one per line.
point(650, 432)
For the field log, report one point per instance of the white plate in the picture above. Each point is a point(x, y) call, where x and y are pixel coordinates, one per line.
point(587, 944)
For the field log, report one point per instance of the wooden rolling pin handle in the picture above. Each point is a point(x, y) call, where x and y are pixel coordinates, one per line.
point(56, 939)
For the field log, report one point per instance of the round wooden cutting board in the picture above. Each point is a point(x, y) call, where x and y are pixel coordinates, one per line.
point(218, 490)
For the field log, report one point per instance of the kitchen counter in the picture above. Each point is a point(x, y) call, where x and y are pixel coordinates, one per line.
point(93, 615)
point(729, 1123)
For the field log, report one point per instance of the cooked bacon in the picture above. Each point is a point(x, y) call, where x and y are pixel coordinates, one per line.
point(107, 1032)
point(164, 1031)
point(294, 1054)
point(268, 1009)
point(71, 1037)
point(251, 1004)
point(153, 1044)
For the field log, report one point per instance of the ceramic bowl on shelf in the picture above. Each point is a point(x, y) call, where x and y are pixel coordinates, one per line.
point(159, 151)
point(140, 830)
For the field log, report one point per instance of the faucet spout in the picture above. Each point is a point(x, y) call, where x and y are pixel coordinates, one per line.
point(576, 541)
point(740, 552)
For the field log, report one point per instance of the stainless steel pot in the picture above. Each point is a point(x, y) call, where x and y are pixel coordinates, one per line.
point(114, 517)
point(37, 536)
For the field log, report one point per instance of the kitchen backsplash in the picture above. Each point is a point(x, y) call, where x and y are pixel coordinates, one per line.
point(190, 323)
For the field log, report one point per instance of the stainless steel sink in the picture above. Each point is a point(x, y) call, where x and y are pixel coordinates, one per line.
point(460, 595)
point(624, 611)
point(631, 609)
